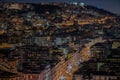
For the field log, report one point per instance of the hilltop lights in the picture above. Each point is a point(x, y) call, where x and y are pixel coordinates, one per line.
point(80, 4)
point(75, 3)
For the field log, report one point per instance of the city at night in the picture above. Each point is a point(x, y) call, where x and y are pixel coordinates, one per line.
point(59, 40)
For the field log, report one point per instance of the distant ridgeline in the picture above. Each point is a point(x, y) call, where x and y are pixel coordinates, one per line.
point(102, 11)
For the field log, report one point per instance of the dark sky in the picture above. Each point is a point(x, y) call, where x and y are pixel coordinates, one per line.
point(110, 5)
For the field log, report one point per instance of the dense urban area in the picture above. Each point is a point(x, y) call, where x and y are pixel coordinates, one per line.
point(58, 41)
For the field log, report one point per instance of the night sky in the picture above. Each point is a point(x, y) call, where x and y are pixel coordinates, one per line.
point(110, 5)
